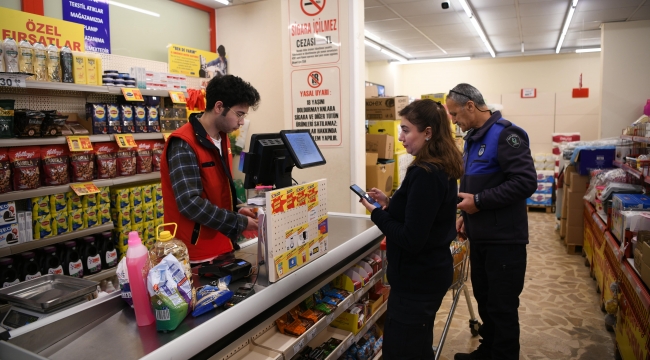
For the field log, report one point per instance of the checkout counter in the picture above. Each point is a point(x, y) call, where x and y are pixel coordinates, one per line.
point(105, 328)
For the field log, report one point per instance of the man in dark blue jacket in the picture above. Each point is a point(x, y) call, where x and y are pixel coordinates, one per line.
point(499, 176)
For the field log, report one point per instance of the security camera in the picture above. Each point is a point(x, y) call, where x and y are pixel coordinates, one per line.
point(445, 5)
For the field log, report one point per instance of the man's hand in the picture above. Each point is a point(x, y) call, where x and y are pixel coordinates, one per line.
point(460, 228)
point(252, 224)
point(247, 212)
point(467, 205)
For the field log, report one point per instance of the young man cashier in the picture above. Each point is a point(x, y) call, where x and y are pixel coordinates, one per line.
point(196, 172)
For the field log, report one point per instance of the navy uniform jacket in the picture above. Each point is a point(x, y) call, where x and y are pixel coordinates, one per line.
point(500, 169)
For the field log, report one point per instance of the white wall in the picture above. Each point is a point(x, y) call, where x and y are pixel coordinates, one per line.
point(625, 74)
point(143, 36)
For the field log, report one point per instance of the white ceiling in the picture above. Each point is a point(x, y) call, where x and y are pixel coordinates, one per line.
point(507, 23)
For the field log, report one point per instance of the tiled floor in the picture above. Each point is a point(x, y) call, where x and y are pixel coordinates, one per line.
point(560, 312)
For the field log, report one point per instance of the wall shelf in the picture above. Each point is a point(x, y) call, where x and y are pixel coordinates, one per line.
point(61, 140)
point(104, 274)
point(35, 244)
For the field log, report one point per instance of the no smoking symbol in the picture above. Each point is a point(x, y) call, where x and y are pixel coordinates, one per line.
point(315, 79)
point(312, 7)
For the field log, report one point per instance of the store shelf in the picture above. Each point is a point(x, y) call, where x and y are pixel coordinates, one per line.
point(639, 139)
point(61, 140)
point(161, 93)
point(44, 85)
point(136, 178)
point(35, 244)
point(371, 321)
point(104, 274)
point(630, 170)
point(373, 280)
point(631, 262)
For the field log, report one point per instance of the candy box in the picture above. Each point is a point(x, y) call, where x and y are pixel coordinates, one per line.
point(9, 234)
point(7, 212)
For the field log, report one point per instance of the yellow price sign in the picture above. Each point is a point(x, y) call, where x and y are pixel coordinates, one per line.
point(178, 97)
point(84, 188)
point(125, 140)
point(79, 143)
point(166, 136)
point(132, 94)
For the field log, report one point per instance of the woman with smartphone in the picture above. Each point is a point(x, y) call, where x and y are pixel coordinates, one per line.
point(419, 224)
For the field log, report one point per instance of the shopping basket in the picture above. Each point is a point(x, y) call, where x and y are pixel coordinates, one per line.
point(460, 252)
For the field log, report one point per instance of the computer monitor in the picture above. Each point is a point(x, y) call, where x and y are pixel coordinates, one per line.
point(303, 148)
point(272, 157)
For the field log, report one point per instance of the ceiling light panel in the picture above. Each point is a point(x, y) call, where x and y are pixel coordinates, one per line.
point(551, 7)
point(378, 13)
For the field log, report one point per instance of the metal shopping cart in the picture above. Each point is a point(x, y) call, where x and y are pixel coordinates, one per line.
point(460, 252)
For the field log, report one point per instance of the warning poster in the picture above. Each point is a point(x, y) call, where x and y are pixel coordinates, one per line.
point(316, 103)
point(314, 32)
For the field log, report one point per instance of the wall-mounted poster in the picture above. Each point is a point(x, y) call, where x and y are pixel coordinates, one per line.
point(197, 63)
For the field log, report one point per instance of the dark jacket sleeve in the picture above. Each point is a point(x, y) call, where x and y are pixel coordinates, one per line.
point(426, 192)
point(517, 165)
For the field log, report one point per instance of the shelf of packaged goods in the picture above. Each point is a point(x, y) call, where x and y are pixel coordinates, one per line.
point(104, 274)
point(35, 244)
point(51, 190)
point(371, 321)
point(627, 137)
point(378, 355)
point(61, 140)
point(630, 170)
point(160, 93)
point(44, 85)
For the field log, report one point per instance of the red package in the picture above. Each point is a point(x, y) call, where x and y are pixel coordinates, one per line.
point(55, 165)
point(106, 156)
point(126, 162)
point(5, 171)
point(25, 161)
point(158, 148)
point(83, 165)
point(143, 156)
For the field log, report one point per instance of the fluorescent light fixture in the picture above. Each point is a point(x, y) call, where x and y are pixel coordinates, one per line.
point(225, 2)
point(371, 36)
point(587, 50)
point(372, 45)
point(477, 26)
point(394, 55)
point(567, 22)
point(115, 3)
point(522, 47)
point(465, 58)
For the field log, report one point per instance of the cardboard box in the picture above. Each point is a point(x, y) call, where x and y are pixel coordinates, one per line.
point(575, 216)
point(645, 252)
point(570, 169)
point(371, 158)
point(565, 202)
point(621, 202)
point(372, 91)
point(563, 228)
point(645, 274)
point(380, 176)
point(439, 97)
point(574, 199)
point(574, 235)
point(579, 182)
point(629, 220)
point(9, 235)
point(638, 258)
point(383, 145)
point(385, 108)
point(8, 212)
point(387, 127)
point(595, 159)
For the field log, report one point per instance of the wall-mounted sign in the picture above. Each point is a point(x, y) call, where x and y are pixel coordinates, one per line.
point(314, 32)
point(93, 15)
point(580, 92)
point(316, 103)
point(25, 26)
point(197, 63)
point(529, 93)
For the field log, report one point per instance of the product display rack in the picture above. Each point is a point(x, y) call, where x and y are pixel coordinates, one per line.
point(104, 274)
point(62, 140)
point(36, 244)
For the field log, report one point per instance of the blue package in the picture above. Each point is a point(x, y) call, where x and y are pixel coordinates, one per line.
point(211, 297)
point(113, 118)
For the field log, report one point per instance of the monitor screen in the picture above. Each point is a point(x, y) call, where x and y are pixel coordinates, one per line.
point(303, 148)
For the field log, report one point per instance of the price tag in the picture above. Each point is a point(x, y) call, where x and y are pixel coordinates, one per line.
point(311, 334)
point(84, 188)
point(79, 143)
point(330, 318)
point(178, 97)
point(297, 347)
point(14, 80)
point(351, 341)
point(132, 94)
point(125, 140)
point(341, 350)
point(166, 136)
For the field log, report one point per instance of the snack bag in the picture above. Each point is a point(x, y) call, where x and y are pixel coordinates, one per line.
point(26, 58)
point(60, 224)
point(11, 55)
point(103, 214)
point(53, 64)
point(120, 198)
point(5, 169)
point(211, 297)
point(41, 206)
point(135, 196)
point(147, 195)
point(106, 157)
point(89, 217)
point(137, 217)
point(158, 192)
point(104, 195)
point(170, 293)
point(148, 213)
point(73, 200)
point(143, 157)
point(158, 148)
point(40, 61)
point(42, 227)
point(89, 201)
point(58, 204)
point(26, 161)
point(55, 165)
point(75, 220)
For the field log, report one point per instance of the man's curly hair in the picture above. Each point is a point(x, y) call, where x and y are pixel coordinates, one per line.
point(230, 90)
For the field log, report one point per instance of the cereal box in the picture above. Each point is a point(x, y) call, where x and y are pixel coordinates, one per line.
point(75, 220)
point(60, 223)
point(58, 204)
point(40, 206)
point(73, 201)
point(42, 227)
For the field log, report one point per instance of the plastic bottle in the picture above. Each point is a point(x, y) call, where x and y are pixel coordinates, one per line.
point(8, 273)
point(49, 262)
point(646, 109)
point(28, 266)
point(166, 243)
point(70, 260)
point(136, 262)
point(89, 254)
point(384, 263)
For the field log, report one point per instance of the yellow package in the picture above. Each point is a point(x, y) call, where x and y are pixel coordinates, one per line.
point(137, 216)
point(79, 68)
point(157, 192)
point(121, 217)
point(40, 206)
point(42, 227)
point(159, 211)
point(89, 201)
point(119, 198)
point(139, 228)
point(104, 196)
point(90, 217)
point(91, 70)
point(75, 220)
point(73, 200)
point(135, 196)
point(121, 236)
point(158, 221)
point(149, 231)
point(103, 214)
point(58, 204)
point(100, 71)
point(60, 224)
point(148, 213)
point(147, 194)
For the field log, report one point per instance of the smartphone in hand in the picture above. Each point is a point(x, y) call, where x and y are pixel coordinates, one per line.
point(362, 194)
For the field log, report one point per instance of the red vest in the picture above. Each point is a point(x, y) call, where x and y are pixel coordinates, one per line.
point(202, 242)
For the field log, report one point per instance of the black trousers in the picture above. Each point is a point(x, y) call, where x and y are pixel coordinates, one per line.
point(408, 329)
point(497, 280)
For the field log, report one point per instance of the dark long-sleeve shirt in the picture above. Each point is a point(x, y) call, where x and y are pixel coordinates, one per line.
point(186, 182)
point(419, 225)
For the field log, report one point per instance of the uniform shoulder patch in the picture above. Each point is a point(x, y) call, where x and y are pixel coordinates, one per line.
point(513, 140)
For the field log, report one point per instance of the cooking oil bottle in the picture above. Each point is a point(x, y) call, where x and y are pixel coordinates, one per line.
point(166, 243)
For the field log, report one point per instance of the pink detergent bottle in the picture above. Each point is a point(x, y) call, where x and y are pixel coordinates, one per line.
point(136, 260)
point(646, 108)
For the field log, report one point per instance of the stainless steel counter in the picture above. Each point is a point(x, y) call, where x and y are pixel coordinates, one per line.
point(116, 335)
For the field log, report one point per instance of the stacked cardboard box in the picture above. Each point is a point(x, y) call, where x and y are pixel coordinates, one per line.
point(379, 174)
point(572, 222)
